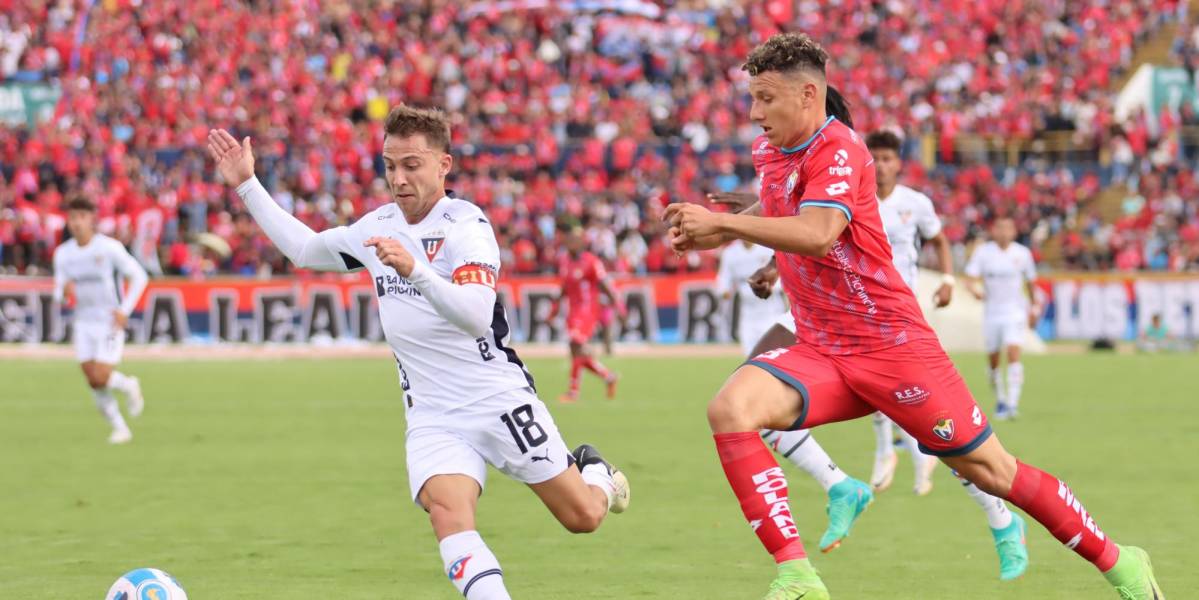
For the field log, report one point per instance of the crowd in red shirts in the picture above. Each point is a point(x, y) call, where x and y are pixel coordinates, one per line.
point(595, 112)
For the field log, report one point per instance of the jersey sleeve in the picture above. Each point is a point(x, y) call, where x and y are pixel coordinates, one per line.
point(133, 273)
point(927, 221)
point(60, 276)
point(974, 266)
point(344, 245)
point(474, 252)
point(1030, 266)
point(598, 271)
point(834, 174)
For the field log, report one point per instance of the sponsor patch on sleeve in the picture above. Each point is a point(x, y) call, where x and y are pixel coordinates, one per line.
point(478, 273)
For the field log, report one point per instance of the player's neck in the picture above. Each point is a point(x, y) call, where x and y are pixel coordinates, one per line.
point(421, 213)
point(1003, 245)
point(84, 240)
point(813, 125)
point(885, 192)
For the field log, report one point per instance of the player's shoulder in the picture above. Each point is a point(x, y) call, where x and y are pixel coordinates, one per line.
point(66, 247)
point(838, 145)
point(380, 218)
point(464, 217)
point(914, 196)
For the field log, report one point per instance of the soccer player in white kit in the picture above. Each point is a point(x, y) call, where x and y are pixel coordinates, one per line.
point(469, 400)
point(738, 261)
point(1007, 271)
point(86, 267)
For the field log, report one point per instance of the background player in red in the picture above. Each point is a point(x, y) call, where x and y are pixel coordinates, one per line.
point(863, 344)
point(583, 279)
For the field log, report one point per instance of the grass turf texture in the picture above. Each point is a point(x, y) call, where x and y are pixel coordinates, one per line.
point(286, 479)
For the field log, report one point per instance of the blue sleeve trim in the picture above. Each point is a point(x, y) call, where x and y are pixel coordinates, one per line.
point(829, 204)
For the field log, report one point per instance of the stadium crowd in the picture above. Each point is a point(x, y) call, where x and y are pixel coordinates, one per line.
point(597, 113)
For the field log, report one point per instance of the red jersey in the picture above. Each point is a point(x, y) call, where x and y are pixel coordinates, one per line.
point(852, 300)
point(580, 279)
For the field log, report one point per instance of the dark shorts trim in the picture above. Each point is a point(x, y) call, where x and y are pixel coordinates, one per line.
point(791, 381)
point(961, 450)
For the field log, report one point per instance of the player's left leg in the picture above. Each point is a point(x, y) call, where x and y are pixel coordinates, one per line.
point(581, 497)
point(1015, 379)
point(450, 500)
point(97, 375)
point(1053, 504)
point(108, 354)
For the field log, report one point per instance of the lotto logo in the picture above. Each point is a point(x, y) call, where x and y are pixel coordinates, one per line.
point(837, 188)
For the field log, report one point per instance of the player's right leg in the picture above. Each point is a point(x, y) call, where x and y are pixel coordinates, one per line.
point(776, 390)
point(993, 343)
point(90, 341)
point(446, 476)
point(1053, 504)
point(1015, 369)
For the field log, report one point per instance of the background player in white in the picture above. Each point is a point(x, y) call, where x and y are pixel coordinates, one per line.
point(738, 261)
point(1007, 271)
point(470, 402)
point(909, 220)
point(86, 267)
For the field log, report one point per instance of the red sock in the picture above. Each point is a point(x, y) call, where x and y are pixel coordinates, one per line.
point(761, 488)
point(576, 367)
point(1048, 500)
point(595, 367)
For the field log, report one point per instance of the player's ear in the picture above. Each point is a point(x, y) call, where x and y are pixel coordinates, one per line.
point(447, 161)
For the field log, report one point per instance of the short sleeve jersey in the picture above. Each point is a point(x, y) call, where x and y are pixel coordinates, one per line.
point(908, 218)
point(1004, 272)
point(852, 300)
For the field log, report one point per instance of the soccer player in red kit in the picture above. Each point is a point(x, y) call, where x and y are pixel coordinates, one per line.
point(863, 344)
point(583, 279)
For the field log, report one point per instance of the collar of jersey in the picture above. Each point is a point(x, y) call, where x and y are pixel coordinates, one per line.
point(795, 149)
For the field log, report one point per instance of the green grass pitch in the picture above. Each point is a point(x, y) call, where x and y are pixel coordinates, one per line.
point(285, 479)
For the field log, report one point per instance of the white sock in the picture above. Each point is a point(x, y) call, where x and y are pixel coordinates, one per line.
point(998, 515)
point(801, 448)
point(995, 378)
point(108, 407)
point(919, 459)
point(472, 568)
point(120, 382)
point(598, 476)
point(1015, 383)
point(884, 435)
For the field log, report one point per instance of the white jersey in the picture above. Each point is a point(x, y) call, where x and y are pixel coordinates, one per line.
point(737, 263)
point(909, 219)
point(93, 269)
point(1004, 273)
point(441, 367)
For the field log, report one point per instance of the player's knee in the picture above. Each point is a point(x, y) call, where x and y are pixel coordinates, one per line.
point(96, 382)
point(447, 519)
point(585, 518)
point(993, 476)
point(729, 411)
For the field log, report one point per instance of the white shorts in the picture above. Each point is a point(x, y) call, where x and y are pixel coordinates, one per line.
point(100, 342)
point(750, 330)
point(787, 320)
point(511, 431)
point(1001, 333)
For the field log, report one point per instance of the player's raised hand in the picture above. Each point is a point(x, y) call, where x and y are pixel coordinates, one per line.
point(943, 295)
point(234, 161)
point(393, 254)
point(762, 281)
point(736, 201)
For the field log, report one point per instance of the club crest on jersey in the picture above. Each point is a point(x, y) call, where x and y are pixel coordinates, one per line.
point(905, 216)
point(433, 244)
point(458, 569)
point(944, 429)
point(792, 179)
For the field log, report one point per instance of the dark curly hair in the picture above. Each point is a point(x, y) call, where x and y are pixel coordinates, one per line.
point(883, 139)
point(786, 52)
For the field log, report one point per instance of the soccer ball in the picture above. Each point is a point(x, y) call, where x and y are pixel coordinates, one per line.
point(146, 584)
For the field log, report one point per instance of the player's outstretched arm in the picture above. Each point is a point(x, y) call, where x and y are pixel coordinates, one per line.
point(739, 202)
point(810, 233)
point(301, 245)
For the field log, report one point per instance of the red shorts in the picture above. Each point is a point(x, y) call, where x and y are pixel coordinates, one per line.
point(915, 384)
point(580, 328)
